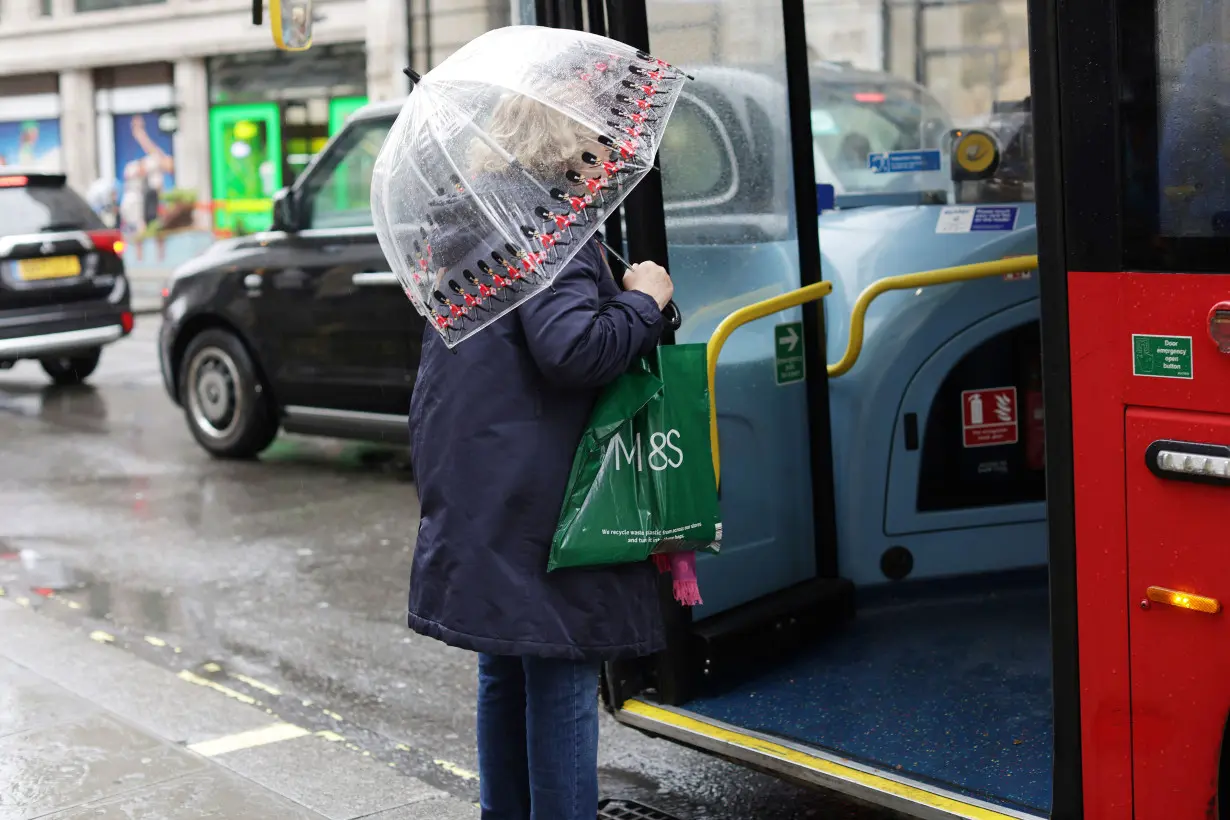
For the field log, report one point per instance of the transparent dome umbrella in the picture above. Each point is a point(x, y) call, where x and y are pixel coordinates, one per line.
point(504, 159)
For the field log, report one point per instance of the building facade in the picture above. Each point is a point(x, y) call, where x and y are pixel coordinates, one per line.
point(178, 119)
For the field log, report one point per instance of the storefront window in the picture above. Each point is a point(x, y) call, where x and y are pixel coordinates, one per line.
point(1193, 95)
point(31, 145)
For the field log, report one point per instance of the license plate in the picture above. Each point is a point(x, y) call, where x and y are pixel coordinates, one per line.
point(51, 267)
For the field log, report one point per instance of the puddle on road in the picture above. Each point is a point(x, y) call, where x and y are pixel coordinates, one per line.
point(43, 580)
point(335, 454)
point(63, 405)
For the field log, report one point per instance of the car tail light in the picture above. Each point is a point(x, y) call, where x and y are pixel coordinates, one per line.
point(126, 322)
point(13, 182)
point(869, 97)
point(107, 241)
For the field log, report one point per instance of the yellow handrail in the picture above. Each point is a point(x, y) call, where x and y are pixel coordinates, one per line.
point(941, 276)
point(733, 322)
point(811, 293)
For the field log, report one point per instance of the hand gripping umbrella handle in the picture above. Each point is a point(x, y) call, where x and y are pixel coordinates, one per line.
point(671, 313)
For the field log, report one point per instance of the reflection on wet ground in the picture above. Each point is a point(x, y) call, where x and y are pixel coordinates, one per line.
point(283, 578)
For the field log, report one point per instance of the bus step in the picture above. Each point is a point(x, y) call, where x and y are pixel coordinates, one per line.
point(630, 810)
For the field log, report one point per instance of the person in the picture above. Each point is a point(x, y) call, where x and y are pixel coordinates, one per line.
point(494, 425)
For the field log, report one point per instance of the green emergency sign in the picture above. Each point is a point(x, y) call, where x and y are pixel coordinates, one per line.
point(788, 353)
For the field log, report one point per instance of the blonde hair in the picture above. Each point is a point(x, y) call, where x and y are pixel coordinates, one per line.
point(536, 135)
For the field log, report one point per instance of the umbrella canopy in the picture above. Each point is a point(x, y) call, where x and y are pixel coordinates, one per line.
point(503, 159)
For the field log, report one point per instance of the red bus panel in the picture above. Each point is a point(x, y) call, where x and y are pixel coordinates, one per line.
point(1140, 342)
point(1180, 658)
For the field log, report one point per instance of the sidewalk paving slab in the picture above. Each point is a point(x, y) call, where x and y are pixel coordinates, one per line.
point(206, 795)
point(92, 758)
point(136, 690)
point(328, 778)
point(89, 730)
point(429, 810)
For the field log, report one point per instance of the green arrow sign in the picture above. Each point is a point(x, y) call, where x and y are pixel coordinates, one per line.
point(788, 353)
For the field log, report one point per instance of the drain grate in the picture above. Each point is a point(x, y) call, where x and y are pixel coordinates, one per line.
point(630, 810)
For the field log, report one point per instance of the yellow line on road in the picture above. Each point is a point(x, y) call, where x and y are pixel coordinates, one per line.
point(274, 733)
point(454, 769)
point(217, 687)
point(255, 684)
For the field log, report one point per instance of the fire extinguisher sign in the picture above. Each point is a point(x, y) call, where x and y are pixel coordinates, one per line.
point(989, 417)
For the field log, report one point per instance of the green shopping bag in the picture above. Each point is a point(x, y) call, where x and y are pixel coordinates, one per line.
point(642, 480)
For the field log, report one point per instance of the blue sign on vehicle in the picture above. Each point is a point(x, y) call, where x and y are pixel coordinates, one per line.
point(826, 197)
point(899, 162)
point(994, 218)
point(967, 218)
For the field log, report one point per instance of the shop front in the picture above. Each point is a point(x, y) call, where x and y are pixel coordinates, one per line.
point(270, 113)
point(30, 123)
point(139, 187)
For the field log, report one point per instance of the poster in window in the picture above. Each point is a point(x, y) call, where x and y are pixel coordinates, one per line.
point(149, 205)
point(33, 145)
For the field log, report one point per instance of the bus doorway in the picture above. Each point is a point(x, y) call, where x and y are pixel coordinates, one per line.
point(878, 616)
point(990, 627)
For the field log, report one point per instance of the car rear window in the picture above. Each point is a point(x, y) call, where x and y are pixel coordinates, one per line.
point(42, 205)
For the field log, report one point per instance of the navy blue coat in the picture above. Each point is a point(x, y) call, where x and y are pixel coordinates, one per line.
point(494, 425)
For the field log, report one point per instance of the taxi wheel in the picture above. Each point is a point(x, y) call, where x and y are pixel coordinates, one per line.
point(226, 404)
point(74, 369)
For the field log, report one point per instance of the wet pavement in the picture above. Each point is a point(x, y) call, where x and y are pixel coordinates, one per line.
point(277, 586)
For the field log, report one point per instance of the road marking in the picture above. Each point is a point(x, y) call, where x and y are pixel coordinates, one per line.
point(255, 684)
point(332, 737)
point(217, 687)
point(153, 641)
point(274, 733)
point(101, 637)
point(454, 769)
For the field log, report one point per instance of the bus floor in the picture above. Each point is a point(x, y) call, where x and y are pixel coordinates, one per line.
point(951, 691)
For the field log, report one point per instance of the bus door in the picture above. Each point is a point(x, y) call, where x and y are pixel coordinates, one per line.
point(1134, 100)
point(735, 234)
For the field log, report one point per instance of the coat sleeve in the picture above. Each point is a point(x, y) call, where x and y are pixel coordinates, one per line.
point(576, 339)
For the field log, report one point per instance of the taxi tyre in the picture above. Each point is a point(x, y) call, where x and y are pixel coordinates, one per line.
point(225, 402)
point(71, 369)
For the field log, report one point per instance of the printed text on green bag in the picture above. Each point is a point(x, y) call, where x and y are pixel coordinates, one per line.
point(664, 451)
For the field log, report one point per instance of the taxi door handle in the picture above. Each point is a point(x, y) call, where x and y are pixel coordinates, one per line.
point(371, 278)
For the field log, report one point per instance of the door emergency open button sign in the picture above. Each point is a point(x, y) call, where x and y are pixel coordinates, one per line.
point(990, 416)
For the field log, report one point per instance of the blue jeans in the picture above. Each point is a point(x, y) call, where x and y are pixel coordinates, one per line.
point(537, 738)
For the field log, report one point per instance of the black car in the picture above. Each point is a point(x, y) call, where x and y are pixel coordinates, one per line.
point(303, 327)
point(63, 292)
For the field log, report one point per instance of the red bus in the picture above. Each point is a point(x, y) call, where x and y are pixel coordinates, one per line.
point(1129, 167)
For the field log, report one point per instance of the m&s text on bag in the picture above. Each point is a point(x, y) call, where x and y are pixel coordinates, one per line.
point(664, 452)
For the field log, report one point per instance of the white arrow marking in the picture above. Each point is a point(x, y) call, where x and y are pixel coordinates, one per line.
point(790, 340)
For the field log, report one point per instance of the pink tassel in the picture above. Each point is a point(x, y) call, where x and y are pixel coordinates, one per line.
point(682, 567)
point(683, 571)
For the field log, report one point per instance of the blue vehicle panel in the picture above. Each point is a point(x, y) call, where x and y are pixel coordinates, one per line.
point(911, 341)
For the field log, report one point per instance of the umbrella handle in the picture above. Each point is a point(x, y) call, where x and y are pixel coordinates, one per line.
point(672, 315)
